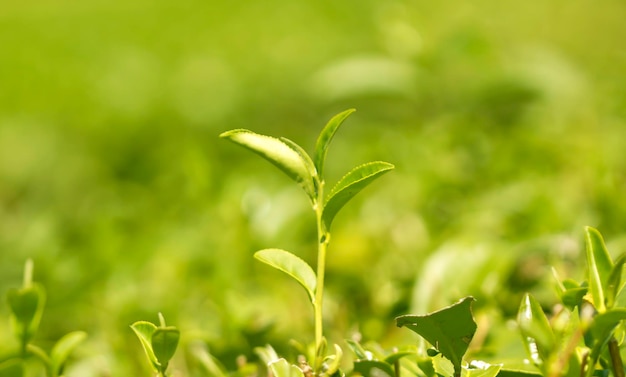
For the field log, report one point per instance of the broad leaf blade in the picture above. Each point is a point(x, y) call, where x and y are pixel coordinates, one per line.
point(321, 146)
point(292, 266)
point(279, 153)
point(164, 343)
point(350, 185)
point(604, 323)
point(63, 348)
point(599, 266)
point(144, 331)
point(535, 329)
point(450, 330)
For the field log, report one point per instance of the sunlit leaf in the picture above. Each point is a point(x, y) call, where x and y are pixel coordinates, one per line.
point(292, 266)
point(350, 185)
point(63, 348)
point(321, 146)
point(599, 266)
point(279, 153)
point(450, 330)
point(482, 369)
point(535, 328)
point(282, 368)
point(144, 331)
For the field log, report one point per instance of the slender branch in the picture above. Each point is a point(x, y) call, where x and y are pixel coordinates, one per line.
point(322, 245)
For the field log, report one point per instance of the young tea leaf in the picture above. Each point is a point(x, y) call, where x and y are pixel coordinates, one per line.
point(144, 331)
point(450, 330)
point(282, 368)
point(321, 146)
point(63, 348)
point(350, 185)
point(164, 343)
point(599, 266)
point(292, 266)
point(27, 305)
point(535, 329)
point(279, 153)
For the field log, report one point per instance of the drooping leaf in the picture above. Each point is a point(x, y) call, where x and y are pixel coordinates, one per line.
point(350, 185)
point(603, 324)
point(144, 331)
point(373, 368)
point(321, 146)
point(450, 330)
point(27, 305)
point(599, 266)
point(279, 153)
point(63, 348)
point(164, 343)
point(535, 328)
point(614, 283)
point(292, 266)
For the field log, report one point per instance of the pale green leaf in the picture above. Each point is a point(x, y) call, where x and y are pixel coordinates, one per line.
point(279, 153)
point(450, 330)
point(144, 331)
point(321, 146)
point(350, 185)
point(63, 348)
point(535, 328)
point(482, 369)
point(292, 266)
point(599, 266)
point(282, 368)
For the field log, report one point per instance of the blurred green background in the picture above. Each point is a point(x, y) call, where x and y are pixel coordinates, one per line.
point(506, 122)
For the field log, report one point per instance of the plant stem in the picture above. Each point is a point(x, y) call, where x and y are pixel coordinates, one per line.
point(323, 238)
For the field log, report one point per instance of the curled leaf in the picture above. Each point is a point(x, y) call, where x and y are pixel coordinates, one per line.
point(280, 153)
point(292, 266)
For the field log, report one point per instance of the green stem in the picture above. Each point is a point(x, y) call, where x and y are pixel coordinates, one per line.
point(323, 238)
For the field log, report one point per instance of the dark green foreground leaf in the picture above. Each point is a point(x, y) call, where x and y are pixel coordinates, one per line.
point(449, 330)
